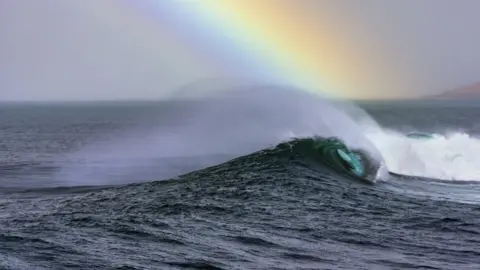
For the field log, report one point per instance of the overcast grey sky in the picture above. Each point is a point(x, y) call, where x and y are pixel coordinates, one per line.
point(61, 50)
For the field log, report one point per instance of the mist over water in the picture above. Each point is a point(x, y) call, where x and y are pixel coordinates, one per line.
point(211, 124)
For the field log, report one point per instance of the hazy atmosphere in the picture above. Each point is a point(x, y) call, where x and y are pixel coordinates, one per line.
point(92, 50)
point(239, 134)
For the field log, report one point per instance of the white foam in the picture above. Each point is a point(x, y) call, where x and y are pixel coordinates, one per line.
point(446, 157)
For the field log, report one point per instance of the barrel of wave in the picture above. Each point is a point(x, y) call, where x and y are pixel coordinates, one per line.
point(359, 140)
point(354, 162)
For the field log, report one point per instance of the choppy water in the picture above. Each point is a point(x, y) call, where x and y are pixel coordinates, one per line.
point(96, 186)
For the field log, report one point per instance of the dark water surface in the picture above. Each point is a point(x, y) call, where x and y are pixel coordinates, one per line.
point(78, 191)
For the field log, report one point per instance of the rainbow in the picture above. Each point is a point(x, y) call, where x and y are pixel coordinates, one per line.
point(307, 44)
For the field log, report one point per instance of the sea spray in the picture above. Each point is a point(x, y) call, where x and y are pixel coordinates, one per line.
point(212, 127)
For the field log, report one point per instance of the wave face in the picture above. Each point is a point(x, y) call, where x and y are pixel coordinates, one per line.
point(325, 151)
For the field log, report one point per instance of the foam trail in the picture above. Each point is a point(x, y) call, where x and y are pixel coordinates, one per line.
point(213, 127)
point(449, 157)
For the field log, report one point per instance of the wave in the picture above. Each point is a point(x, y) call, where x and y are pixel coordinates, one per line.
point(217, 126)
point(213, 128)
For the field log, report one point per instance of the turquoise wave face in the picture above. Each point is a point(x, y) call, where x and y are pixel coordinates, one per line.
point(353, 162)
point(335, 154)
point(332, 153)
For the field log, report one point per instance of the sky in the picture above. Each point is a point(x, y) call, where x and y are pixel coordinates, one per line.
point(55, 50)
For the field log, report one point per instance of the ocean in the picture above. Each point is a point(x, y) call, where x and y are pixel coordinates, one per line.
point(235, 182)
